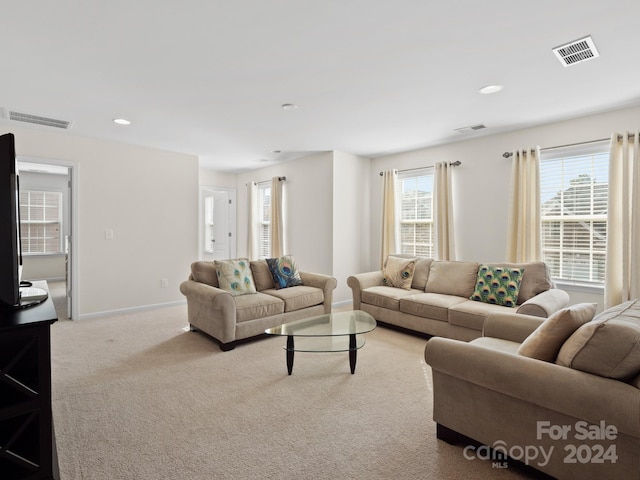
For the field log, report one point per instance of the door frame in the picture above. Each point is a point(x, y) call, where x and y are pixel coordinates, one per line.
point(73, 176)
point(233, 244)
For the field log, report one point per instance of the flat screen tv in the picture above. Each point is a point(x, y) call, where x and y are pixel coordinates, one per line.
point(13, 293)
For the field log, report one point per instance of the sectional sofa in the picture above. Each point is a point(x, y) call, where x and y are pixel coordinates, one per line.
point(437, 299)
point(561, 395)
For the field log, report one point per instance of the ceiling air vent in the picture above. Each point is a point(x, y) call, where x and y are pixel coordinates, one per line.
point(35, 119)
point(576, 52)
point(471, 128)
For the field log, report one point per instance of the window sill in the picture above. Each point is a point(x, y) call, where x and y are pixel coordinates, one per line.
point(580, 287)
point(35, 255)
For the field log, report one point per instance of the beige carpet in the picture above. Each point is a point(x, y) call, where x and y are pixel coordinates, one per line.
point(138, 397)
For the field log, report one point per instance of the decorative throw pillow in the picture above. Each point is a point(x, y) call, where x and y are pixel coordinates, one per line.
point(398, 272)
point(498, 285)
point(234, 276)
point(545, 341)
point(284, 272)
point(608, 346)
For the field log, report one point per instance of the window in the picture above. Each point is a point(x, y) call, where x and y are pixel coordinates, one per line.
point(208, 224)
point(416, 213)
point(40, 221)
point(264, 219)
point(574, 186)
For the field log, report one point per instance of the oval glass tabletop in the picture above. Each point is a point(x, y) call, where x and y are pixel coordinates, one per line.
point(328, 325)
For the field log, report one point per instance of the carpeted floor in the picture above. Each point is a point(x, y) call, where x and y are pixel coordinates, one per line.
point(138, 396)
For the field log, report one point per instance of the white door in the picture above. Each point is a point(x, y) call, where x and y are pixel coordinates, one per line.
point(216, 230)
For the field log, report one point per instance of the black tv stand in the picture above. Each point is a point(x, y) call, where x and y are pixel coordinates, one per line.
point(26, 428)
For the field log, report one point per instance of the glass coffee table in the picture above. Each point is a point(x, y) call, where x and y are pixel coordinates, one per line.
point(332, 332)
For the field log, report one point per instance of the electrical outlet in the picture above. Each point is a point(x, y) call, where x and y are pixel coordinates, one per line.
point(164, 283)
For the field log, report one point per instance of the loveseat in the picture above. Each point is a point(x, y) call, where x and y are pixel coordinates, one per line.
point(246, 308)
point(561, 395)
point(436, 299)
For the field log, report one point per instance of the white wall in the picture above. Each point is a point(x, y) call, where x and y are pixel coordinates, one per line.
point(481, 184)
point(351, 219)
point(148, 197)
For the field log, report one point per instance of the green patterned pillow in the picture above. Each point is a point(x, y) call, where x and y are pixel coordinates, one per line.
point(284, 272)
point(234, 276)
point(498, 285)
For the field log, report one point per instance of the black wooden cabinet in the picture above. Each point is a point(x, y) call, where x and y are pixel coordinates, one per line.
point(26, 431)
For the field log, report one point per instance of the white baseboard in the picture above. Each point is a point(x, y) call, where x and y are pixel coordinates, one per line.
point(344, 303)
point(131, 309)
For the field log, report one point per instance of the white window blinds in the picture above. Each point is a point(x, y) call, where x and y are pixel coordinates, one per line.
point(40, 222)
point(574, 185)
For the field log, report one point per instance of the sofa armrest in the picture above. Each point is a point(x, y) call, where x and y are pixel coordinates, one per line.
point(545, 384)
point(324, 282)
point(511, 326)
point(546, 303)
point(207, 295)
point(361, 281)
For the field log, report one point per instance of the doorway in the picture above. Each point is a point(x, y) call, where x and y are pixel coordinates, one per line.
point(57, 265)
point(217, 223)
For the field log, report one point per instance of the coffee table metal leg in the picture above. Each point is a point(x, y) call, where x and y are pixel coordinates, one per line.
point(290, 350)
point(353, 352)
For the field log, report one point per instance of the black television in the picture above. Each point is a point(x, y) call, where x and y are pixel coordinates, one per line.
point(13, 293)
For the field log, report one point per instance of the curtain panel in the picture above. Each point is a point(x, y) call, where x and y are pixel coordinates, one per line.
point(390, 217)
point(443, 213)
point(622, 271)
point(524, 233)
point(277, 217)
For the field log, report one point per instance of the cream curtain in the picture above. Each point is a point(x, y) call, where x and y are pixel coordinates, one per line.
point(277, 217)
point(524, 242)
point(390, 224)
point(443, 213)
point(622, 274)
point(252, 228)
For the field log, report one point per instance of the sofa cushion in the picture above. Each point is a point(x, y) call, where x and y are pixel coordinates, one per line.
point(204, 272)
point(398, 272)
point(260, 305)
point(234, 276)
point(497, 285)
point(471, 314)
point(385, 297)
point(262, 275)
point(284, 271)
point(429, 305)
point(535, 279)
point(297, 298)
point(608, 346)
point(545, 341)
point(452, 278)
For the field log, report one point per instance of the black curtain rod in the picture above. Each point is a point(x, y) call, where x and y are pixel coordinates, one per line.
point(457, 163)
point(282, 179)
point(630, 135)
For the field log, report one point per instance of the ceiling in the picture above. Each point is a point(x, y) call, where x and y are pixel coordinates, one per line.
point(369, 77)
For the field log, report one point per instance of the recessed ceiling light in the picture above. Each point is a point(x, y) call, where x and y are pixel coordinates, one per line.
point(289, 106)
point(490, 89)
point(121, 121)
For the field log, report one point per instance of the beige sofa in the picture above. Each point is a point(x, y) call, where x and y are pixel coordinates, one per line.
point(229, 319)
point(580, 406)
point(438, 300)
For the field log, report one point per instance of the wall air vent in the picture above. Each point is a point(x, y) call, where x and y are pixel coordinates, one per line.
point(577, 51)
point(38, 120)
point(471, 128)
